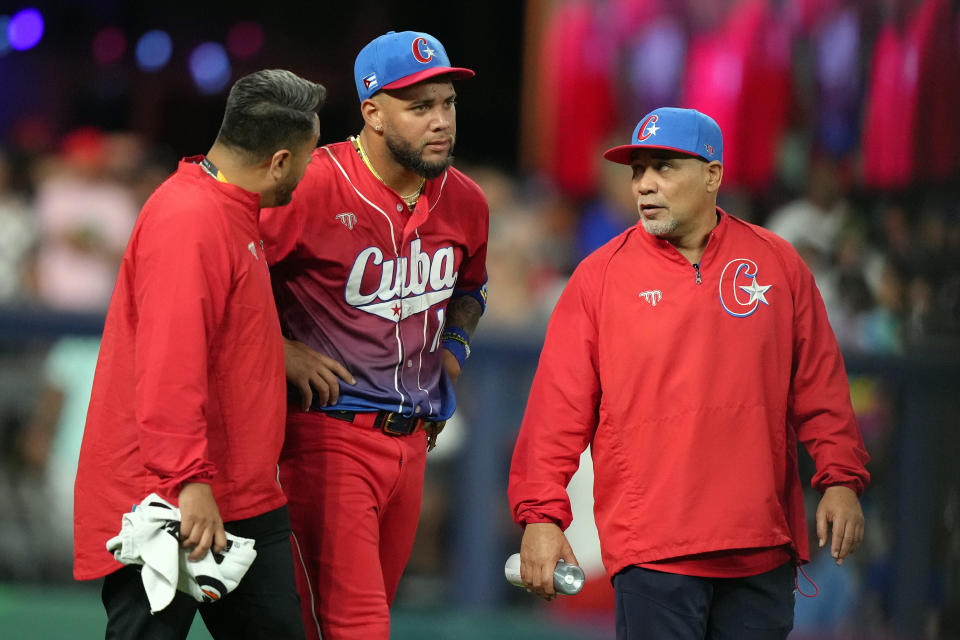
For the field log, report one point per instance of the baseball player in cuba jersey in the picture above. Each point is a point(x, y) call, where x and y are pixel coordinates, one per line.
point(188, 394)
point(379, 274)
point(692, 352)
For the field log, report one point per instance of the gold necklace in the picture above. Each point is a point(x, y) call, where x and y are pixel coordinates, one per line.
point(410, 199)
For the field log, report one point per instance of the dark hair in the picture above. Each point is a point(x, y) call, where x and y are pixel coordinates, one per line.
point(270, 110)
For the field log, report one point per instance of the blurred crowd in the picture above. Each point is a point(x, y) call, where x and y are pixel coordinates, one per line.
point(840, 134)
point(67, 212)
point(887, 265)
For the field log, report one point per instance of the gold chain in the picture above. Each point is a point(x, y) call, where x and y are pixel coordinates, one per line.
point(410, 199)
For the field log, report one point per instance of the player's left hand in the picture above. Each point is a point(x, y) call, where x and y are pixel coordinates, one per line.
point(840, 511)
point(314, 374)
point(433, 429)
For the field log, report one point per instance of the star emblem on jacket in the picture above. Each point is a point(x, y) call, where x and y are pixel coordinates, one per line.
point(740, 276)
point(756, 291)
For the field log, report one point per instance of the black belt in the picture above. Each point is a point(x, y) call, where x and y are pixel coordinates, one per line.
point(389, 422)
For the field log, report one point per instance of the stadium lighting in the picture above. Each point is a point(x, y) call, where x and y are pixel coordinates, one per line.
point(245, 39)
point(109, 45)
point(25, 29)
point(153, 50)
point(210, 67)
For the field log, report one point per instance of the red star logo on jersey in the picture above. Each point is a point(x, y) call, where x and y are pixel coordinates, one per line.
point(396, 310)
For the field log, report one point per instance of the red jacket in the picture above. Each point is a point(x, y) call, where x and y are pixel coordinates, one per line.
point(190, 380)
point(693, 389)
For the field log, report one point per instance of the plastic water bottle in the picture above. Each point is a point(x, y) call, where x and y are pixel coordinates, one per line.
point(568, 578)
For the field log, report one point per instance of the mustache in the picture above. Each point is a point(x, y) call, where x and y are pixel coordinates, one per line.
point(449, 139)
point(641, 204)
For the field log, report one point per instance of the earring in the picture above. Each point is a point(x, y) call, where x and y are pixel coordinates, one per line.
point(379, 128)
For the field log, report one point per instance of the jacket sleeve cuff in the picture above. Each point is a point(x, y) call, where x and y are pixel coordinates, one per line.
point(856, 487)
point(540, 520)
point(170, 488)
point(535, 516)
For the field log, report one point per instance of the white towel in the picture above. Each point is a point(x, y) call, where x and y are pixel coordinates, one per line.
point(150, 536)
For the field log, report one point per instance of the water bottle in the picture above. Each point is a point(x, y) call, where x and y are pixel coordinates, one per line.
point(568, 578)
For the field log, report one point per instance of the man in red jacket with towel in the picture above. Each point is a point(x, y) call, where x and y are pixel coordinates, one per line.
point(189, 395)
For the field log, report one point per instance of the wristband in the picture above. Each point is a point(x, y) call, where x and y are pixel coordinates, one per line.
point(456, 341)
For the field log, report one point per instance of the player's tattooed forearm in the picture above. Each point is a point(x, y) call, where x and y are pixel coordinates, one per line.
point(464, 312)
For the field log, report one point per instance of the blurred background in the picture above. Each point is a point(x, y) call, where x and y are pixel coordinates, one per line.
point(840, 120)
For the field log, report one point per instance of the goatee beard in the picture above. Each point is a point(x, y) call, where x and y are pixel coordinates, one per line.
point(412, 159)
point(660, 228)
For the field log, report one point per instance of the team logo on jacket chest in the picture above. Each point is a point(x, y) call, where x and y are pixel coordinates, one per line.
point(406, 286)
point(652, 296)
point(740, 293)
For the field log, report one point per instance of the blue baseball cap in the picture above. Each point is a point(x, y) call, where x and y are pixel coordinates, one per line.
point(684, 130)
point(397, 60)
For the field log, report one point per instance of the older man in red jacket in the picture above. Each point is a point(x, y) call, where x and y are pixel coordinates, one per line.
point(692, 352)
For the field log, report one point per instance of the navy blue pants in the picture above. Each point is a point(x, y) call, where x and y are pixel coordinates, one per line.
point(264, 605)
point(661, 606)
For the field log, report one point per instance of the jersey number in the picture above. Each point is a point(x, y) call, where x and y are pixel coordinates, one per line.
point(436, 338)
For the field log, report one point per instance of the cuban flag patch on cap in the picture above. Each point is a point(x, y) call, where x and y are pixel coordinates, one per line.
point(370, 80)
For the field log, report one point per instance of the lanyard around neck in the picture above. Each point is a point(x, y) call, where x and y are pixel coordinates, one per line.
point(212, 170)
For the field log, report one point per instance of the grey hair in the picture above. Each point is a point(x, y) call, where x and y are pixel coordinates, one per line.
point(269, 110)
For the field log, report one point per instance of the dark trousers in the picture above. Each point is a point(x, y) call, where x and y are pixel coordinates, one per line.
point(668, 606)
point(264, 605)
